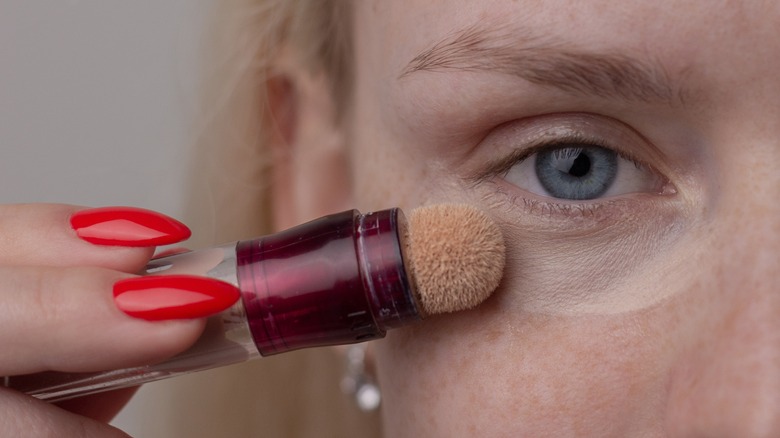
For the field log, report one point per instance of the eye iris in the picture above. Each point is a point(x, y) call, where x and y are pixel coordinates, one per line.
point(576, 172)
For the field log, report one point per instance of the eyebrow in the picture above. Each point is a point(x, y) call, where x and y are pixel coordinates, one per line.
point(549, 63)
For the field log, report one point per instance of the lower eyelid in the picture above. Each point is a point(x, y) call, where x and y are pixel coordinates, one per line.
point(504, 196)
point(570, 217)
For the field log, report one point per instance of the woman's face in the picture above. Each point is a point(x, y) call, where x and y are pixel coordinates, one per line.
point(630, 152)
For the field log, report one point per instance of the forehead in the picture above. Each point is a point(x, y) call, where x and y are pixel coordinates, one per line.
point(680, 32)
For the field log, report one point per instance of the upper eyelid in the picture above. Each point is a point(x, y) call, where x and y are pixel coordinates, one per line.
point(503, 165)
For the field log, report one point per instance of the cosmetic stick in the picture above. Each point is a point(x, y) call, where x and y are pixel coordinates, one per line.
point(340, 279)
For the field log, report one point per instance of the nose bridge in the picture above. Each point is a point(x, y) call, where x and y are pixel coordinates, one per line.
point(726, 379)
point(731, 383)
point(748, 255)
point(745, 359)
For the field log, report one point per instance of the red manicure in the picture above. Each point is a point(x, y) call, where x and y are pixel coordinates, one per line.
point(127, 226)
point(163, 297)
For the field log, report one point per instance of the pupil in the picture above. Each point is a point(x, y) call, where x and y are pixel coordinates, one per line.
point(581, 166)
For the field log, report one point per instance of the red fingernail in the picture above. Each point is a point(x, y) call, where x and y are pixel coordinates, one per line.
point(157, 298)
point(127, 226)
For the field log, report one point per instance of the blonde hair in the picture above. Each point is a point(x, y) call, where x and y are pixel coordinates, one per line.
point(296, 394)
point(233, 157)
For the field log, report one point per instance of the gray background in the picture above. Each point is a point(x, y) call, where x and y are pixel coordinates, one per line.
point(98, 102)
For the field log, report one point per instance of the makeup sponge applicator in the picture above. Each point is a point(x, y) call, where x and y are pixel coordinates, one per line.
point(456, 256)
point(343, 278)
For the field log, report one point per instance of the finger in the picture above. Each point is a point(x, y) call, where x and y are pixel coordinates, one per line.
point(21, 415)
point(102, 407)
point(64, 235)
point(65, 319)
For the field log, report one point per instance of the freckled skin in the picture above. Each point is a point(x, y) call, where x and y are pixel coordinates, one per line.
point(681, 336)
point(544, 375)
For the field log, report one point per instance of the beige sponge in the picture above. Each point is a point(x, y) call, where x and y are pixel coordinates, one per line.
point(456, 256)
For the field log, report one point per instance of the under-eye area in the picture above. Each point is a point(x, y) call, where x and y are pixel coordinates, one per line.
point(583, 208)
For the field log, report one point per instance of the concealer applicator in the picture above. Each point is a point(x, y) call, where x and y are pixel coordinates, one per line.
point(340, 279)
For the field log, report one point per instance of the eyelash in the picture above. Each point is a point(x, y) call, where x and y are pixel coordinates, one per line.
point(502, 166)
point(554, 209)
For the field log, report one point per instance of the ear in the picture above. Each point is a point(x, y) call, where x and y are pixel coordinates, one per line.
point(310, 174)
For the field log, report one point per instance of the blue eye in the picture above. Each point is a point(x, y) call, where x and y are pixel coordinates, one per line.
point(577, 173)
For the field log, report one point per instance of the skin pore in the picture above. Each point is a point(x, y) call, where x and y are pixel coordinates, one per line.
point(649, 311)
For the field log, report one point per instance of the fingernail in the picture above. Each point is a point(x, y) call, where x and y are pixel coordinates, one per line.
point(162, 297)
point(127, 226)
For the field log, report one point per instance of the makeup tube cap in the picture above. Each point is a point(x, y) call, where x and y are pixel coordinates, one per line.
point(335, 280)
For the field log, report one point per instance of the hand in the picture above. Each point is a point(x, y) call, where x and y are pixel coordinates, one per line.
point(57, 311)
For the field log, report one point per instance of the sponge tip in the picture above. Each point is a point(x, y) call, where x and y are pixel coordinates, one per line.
point(456, 255)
